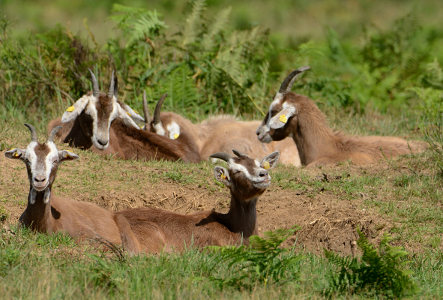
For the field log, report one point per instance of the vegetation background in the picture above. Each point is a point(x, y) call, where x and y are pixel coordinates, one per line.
point(376, 69)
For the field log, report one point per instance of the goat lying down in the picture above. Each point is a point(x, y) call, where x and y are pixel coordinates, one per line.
point(141, 229)
point(246, 178)
point(218, 134)
point(297, 116)
point(100, 122)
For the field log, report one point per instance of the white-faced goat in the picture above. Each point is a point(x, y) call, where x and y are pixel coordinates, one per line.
point(246, 178)
point(218, 134)
point(298, 117)
point(48, 213)
point(100, 122)
point(141, 229)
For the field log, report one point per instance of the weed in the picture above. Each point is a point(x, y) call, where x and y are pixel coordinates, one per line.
point(263, 261)
point(383, 272)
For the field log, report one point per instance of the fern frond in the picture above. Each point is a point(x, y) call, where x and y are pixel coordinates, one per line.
point(193, 22)
point(216, 28)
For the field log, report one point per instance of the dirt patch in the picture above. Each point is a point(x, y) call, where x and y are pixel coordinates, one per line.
point(326, 221)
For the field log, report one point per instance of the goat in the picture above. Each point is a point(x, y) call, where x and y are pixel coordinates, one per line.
point(218, 134)
point(100, 122)
point(246, 178)
point(48, 213)
point(299, 117)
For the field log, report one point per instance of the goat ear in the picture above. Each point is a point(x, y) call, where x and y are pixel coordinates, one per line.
point(73, 111)
point(222, 175)
point(280, 119)
point(123, 115)
point(15, 153)
point(132, 113)
point(174, 130)
point(270, 161)
point(66, 155)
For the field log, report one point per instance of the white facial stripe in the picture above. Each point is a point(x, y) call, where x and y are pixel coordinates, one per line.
point(174, 130)
point(159, 129)
point(278, 97)
point(52, 155)
point(238, 167)
point(32, 157)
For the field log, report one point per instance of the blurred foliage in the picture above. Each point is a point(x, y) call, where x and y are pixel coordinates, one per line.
point(209, 64)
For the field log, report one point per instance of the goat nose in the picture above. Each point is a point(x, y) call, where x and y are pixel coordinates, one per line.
point(102, 143)
point(39, 178)
point(263, 173)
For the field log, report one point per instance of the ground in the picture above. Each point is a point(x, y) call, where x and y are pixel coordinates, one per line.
point(328, 203)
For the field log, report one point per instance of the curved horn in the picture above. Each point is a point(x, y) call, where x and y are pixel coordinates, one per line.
point(158, 108)
point(221, 155)
point(238, 153)
point(146, 111)
point(53, 133)
point(289, 80)
point(95, 89)
point(111, 86)
point(33, 132)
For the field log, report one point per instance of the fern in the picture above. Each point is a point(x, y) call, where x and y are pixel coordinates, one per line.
point(193, 22)
point(216, 28)
point(381, 272)
point(137, 23)
point(263, 261)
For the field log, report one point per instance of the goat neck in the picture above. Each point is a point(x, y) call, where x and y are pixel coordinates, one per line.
point(247, 179)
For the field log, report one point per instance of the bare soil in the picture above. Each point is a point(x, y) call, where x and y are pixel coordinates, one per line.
point(326, 221)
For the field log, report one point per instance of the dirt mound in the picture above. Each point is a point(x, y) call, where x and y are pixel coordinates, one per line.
point(326, 221)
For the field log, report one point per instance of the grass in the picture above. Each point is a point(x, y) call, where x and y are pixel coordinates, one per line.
point(405, 192)
point(36, 266)
point(375, 71)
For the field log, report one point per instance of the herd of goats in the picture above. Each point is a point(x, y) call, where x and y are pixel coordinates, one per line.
point(101, 123)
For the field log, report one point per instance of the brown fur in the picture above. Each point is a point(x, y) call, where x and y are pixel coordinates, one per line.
point(126, 142)
point(169, 231)
point(318, 145)
point(224, 133)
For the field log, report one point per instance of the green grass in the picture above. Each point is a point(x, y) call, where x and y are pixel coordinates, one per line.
point(36, 266)
point(376, 70)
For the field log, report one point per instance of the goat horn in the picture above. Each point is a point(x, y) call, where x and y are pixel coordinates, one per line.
point(33, 132)
point(221, 155)
point(111, 86)
point(238, 153)
point(158, 108)
point(146, 111)
point(289, 81)
point(95, 89)
point(53, 133)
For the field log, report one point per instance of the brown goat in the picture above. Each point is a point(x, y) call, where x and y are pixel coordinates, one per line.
point(298, 117)
point(48, 213)
point(246, 178)
point(100, 122)
point(141, 229)
point(218, 134)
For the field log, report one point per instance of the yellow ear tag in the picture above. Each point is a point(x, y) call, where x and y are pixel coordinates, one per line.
point(16, 154)
point(70, 108)
point(266, 165)
point(283, 119)
point(223, 176)
point(129, 114)
point(176, 135)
